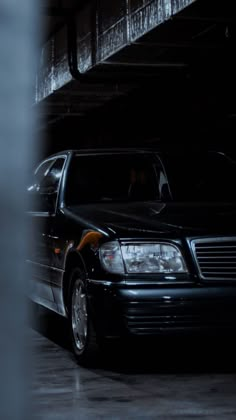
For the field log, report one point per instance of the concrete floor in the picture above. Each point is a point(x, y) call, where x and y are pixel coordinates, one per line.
point(180, 379)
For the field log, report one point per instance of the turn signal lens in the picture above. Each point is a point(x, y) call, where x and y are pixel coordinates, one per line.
point(111, 258)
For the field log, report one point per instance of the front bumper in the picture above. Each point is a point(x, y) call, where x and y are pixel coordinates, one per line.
point(152, 310)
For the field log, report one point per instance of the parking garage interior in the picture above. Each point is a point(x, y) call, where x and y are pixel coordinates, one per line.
point(168, 65)
point(156, 74)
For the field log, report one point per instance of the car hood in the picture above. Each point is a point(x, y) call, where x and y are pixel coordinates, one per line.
point(152, 218)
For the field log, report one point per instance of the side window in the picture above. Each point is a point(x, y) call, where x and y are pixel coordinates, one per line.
point(43, 170)
point(44, 191)
point(40, 172)
point(50, 182)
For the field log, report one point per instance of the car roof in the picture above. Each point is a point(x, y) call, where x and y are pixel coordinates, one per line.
point(102, 151)
point(163, 152)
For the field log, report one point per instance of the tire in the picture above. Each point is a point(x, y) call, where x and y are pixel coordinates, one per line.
point(82, 332)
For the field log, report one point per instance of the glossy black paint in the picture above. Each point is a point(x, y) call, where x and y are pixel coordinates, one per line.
point(137, 304)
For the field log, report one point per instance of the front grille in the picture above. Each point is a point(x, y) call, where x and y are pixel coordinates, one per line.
point(216, 258)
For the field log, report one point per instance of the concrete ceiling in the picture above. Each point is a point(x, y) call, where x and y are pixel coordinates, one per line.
point(190, 54)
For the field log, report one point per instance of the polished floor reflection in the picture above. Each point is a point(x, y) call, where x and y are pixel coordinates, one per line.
point(181, 379)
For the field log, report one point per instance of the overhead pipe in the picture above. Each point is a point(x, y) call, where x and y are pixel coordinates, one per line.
point(72, 45)
point(72, 51)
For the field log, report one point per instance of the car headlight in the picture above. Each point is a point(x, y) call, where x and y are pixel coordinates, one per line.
point(142, 258)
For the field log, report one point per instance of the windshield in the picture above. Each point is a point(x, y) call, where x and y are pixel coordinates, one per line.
point(208, 176)
point(113, 177)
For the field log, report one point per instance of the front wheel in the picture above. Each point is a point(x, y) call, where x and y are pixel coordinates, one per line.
point(83, 335)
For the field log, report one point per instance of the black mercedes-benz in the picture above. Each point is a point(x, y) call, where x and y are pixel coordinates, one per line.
point(134, 242)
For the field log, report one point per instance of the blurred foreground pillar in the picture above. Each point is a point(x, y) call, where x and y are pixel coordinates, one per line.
point(17, 70)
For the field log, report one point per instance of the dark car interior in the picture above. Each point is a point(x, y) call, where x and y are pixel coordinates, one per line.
point(112, 178)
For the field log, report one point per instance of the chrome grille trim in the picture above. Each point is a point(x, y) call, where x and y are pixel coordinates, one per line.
point(215, 258)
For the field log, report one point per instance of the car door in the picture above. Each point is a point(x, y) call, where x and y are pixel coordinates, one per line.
point(44, 193)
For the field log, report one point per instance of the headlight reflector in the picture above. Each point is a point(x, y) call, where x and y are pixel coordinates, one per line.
point(152, 258)
point(142, 258)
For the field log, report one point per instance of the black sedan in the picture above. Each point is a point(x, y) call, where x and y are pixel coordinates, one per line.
point(134, 242)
